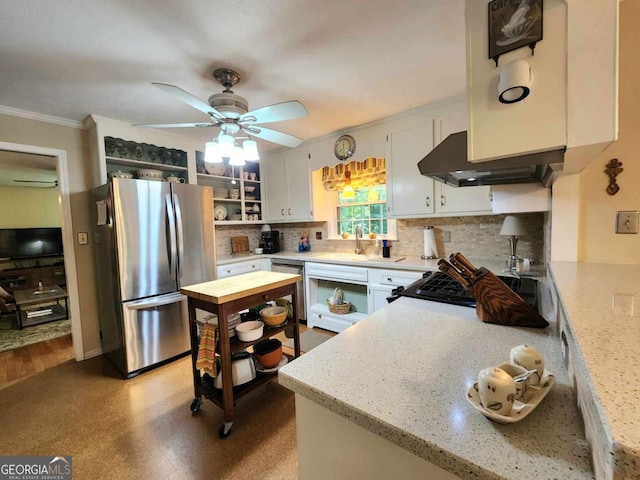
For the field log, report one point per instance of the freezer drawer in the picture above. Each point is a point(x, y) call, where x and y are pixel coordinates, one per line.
point(155, 329)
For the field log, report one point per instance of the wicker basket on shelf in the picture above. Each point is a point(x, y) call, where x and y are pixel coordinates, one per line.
point(339, 309)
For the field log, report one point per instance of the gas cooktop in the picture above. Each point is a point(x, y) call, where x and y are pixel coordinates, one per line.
point(438, 287)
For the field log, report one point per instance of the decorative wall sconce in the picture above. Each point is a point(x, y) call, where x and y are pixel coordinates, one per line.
point(614, 168)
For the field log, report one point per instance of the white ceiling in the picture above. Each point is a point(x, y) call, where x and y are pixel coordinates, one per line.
point(349, 62)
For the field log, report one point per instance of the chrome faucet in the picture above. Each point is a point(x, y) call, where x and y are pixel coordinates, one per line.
point(359, 248)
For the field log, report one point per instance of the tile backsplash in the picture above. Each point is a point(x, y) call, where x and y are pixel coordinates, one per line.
point(474, 236)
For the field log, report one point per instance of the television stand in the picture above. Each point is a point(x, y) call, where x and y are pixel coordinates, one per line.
point(40, 305)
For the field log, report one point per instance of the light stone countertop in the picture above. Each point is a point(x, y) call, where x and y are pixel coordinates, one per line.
point(414, 263)
point(602, 304)
point(403, 374)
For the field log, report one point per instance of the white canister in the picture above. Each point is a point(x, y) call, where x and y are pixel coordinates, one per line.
point(497, 390)
point(528, 357)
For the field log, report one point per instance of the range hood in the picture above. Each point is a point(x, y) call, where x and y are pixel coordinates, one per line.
point(448, 163)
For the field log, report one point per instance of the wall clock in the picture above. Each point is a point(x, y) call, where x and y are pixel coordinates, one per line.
point(345, 147)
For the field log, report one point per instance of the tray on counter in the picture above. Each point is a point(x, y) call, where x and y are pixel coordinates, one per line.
point(521, 409)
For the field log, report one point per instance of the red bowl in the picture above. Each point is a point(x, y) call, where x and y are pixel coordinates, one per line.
point(268, 353)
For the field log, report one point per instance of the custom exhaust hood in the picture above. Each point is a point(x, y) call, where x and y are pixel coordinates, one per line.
point(448, 163)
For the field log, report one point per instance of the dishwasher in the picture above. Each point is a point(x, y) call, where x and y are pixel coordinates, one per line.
point(295, 267)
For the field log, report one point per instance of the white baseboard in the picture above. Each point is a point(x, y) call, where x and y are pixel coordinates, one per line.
point(93, 353)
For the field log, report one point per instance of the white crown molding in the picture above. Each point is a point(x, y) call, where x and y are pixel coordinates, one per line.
point(41, 117)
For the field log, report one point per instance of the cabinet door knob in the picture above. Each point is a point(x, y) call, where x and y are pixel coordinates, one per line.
point(228, 271)
point(389, 279)
point(253, 266)
point(428, 201)
point(266, 297)
point(443, 200)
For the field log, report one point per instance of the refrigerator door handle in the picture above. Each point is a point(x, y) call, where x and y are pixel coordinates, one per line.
point(180, 229)
point(156, 301)
point(172, 236)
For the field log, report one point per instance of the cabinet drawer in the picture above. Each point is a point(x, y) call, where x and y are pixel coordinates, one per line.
point(393, 277)
point(330, 271)
point(327, 321)
point(237, 268)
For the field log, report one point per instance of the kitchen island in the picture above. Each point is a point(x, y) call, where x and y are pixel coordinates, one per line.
point(387, 399)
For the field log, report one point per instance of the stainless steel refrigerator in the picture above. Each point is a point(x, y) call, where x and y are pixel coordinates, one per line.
point(150, 238)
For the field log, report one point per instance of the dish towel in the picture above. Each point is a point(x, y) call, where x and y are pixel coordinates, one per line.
point(206, 360)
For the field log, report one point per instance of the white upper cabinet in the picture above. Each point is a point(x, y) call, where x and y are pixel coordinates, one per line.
point(409, 194)
point(288, 188)
point(455, 200)
point(573, 99)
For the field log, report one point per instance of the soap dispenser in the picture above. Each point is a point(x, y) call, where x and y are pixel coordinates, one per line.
point(377, 247)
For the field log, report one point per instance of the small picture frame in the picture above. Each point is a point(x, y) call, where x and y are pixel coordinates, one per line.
point(513, 24)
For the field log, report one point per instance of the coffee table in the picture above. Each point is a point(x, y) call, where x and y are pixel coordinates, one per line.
point(35, 305)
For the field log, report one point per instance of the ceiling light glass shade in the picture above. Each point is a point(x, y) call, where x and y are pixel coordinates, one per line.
point(212, 153)
point(512, 225)
point(237, 157)
point(250, 150)
point(348, 191)
point(226, 143)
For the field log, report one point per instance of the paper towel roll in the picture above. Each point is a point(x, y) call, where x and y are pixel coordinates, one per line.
point(430, 248)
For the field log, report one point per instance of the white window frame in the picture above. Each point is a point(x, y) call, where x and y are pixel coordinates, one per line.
point(332, 222)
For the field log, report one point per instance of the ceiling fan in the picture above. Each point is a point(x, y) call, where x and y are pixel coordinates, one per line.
point(231, 112)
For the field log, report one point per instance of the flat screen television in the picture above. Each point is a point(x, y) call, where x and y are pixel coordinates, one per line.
point(16, 243)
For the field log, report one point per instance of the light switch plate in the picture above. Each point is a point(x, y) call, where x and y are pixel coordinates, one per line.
point(83, 238)
point(627, 222)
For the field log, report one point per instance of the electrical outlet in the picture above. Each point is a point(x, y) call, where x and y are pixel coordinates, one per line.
point(446, 237)
point(83, 238)
point(627, 222)
point(318, 235)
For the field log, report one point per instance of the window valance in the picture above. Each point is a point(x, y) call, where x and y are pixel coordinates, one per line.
point(367, 173)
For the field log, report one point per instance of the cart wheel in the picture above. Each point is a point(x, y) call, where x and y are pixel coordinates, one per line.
point(225, 429)
point(196, 404)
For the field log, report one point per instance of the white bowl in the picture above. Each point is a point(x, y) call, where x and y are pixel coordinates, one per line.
point(249, 189)
point(250, 331)
point(120, 174)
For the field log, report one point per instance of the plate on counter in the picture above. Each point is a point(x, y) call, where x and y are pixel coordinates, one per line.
point(521, 409)
point(283, 361)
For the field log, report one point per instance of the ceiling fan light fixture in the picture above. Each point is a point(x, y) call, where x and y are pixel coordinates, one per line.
point(237, 157)
point(212, 153)
point(226, 144)
point(250, 150)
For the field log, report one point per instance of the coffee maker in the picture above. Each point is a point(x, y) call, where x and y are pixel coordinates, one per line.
point(270, 241)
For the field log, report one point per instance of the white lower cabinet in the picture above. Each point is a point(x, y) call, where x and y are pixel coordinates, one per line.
point(244, 266)
point(383, 281)
point(321, 279)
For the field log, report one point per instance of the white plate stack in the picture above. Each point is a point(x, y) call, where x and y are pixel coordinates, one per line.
point(220, 193)
point(234, 320)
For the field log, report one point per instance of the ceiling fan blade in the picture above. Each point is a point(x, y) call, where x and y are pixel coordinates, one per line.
point(275, 113)
point(273, 136)
point(36, 181)
point(189, 99)
point(173, 125)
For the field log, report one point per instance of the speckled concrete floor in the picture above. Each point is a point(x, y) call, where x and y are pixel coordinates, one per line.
point(143, 427)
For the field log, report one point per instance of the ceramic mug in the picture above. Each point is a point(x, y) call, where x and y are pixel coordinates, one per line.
point(497, 390)
point(234, 194)
point(528, 357)
point(245, 175)
point(252, 176)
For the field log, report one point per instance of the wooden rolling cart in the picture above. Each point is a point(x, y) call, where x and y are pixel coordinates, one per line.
point(224, 297)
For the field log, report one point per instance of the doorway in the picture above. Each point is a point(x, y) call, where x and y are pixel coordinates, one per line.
point(58, 160)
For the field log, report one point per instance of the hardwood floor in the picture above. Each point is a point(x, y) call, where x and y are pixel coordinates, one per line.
point(26, 361)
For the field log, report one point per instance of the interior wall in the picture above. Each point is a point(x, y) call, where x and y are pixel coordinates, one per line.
point(29, 207)
point(74, 142)
point(598, 240)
